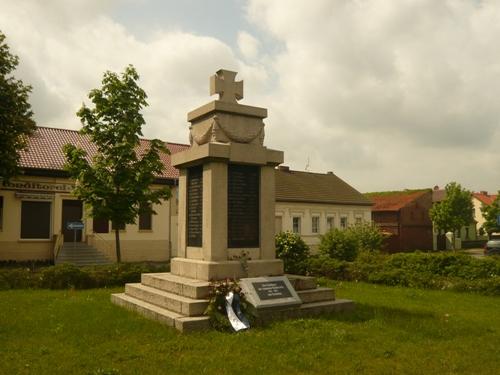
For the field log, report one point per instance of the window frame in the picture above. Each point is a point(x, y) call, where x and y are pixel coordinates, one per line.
point(51, 213)
point(315, 220)
point(299, 224)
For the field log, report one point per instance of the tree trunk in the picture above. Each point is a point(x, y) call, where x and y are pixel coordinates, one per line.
point(118, 250)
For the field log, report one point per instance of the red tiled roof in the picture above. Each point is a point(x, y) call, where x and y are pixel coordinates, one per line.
point(45, 150)
point(487, 199)
point(393, 201)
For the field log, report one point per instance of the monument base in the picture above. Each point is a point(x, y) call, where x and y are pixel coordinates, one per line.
point(180, 302)
point(232, 269)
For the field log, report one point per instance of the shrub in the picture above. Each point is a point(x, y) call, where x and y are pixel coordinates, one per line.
point(321, 265)
point(293, 251)
point(368, 236)
point(65, 276)
point(451, 271)
point(339, 244)
point(17, 278)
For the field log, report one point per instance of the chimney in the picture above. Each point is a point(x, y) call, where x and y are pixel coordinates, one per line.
point(484, 192)
point(284, 168)
point(329, 172)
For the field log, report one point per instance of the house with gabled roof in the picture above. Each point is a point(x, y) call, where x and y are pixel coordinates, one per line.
point(480, 200)
point(404, 217)
point(36, 207)
point(311, 204)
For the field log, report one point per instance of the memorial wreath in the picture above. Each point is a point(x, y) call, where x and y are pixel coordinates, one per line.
point(228, 308)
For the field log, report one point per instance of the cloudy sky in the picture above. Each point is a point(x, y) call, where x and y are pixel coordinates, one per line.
point(387, 94)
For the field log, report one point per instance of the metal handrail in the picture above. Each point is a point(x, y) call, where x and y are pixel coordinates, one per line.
point(58, 243)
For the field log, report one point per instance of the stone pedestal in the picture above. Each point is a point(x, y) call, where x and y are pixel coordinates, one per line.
point(226, 135)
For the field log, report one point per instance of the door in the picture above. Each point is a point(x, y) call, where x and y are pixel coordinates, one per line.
point(72, 210)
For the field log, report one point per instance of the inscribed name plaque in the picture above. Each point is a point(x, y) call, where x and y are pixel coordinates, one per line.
point(270, 292)
point(195, 206)
point(243, 206)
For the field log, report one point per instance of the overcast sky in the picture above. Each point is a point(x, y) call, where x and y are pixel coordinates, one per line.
point(386, 94)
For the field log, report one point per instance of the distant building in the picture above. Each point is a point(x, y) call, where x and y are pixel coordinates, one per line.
point(404, 216)
point(479, 200)
point(310, 204)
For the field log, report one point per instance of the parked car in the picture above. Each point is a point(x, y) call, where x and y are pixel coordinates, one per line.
point(492, 247)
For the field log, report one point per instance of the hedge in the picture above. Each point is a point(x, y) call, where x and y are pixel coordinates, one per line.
point(69, 276)
point(445, 270)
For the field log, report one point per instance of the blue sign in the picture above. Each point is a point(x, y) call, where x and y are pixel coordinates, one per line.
point(74, 225)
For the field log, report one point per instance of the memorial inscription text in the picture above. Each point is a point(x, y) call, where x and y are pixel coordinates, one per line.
point(243, 206)
point(195, 206)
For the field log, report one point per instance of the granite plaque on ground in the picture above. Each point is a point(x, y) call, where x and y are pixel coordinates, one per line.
point(271, 292)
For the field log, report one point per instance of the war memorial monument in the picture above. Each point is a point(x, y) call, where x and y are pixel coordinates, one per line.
point(226, 214)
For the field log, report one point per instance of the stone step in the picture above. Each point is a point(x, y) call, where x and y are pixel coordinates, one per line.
point(76, 257)
point(183, 286)
point(170, 301)
point(170, 318)
point(316, 295)
point(302, 282)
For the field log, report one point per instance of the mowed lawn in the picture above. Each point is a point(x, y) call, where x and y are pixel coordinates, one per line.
point(393, 331)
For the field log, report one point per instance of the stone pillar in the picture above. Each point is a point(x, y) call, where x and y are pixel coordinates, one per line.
point(226, 135)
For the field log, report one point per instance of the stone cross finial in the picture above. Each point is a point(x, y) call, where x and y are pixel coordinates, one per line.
point(223, 83)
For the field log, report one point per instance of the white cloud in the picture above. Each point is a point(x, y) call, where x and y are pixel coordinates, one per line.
point(387, 94)
point(65, 50)
point(248, 45)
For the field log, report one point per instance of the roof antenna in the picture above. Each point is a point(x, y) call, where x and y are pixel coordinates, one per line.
point(307, 165)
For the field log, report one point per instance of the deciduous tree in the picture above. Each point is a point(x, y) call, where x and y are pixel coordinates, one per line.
point(116, 183)
point(16, 122)
point(455, 211)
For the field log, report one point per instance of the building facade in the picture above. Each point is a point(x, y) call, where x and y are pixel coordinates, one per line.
point(404, 217)
point(310, 204)
point(36, 207)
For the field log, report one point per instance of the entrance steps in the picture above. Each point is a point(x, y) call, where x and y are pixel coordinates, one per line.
point(81, 254)
point(180, 302)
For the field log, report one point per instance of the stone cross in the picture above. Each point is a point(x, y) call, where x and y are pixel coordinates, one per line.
point(223, 83)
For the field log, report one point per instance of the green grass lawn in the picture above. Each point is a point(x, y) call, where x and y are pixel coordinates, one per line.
point(393, 331)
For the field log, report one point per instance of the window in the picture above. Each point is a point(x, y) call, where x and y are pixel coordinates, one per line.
point(35, 219)
point(343, 222)
point(1, 213)
point(330, 223)
point(359, 220)
point(100, 225)
point(296, 224)
point(146, 219)
point(315, 224)
point(467, 233)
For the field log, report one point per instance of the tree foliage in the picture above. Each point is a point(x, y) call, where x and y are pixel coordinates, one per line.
point(455, 211)
point(490, 214)
point(116, 184)
point(292, 249)
point(347, 244)
point(16, 122)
